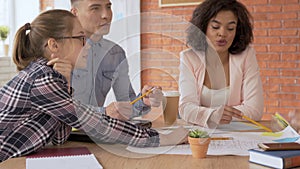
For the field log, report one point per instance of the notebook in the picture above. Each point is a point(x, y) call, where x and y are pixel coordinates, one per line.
point(62, 158)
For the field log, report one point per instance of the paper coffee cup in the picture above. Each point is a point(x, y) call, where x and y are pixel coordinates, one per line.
point(170, 107)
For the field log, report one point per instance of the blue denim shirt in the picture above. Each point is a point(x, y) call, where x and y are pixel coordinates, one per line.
point(107, 68)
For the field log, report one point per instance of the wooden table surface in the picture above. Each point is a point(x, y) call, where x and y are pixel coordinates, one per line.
point(116, 157)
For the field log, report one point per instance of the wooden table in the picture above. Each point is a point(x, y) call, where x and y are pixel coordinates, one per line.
point(136, 161)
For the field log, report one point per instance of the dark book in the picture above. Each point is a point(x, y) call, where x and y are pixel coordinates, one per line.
point(275, 159)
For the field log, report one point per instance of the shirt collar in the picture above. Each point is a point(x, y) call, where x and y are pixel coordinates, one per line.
point(89, 41)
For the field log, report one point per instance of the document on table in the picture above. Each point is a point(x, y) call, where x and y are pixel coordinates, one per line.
point(239, 145)
point(237, 126)
point(233, 126)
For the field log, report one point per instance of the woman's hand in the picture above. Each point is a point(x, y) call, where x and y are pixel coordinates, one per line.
point(63, 66)
point(154, 98)
point(228, 113)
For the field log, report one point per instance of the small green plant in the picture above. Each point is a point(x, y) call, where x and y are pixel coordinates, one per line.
point(4, 30)
point(198, 134)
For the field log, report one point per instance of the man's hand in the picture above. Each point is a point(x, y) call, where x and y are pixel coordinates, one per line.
point(228, 113)
point(119, 110)
point(295, 120)
point(154, 98)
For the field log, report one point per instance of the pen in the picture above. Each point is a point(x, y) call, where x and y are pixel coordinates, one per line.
point(257, 124)
point(137, 99)
point(221, 138)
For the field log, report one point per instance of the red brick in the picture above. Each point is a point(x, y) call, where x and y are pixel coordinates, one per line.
point(290, 73)
point(267, 116)
point(279, 16)
point(290, 8)
point(283, 2)
point(260, 16)
point(267, 9)
point(271, 88)
point(281, 110)
point(270, 72)
point(282, 65)
point(260, 48)
point(283, 32)
point(291, 23)
point(271, 102)
point(290, 57)
point(268, 56)
point(281, 48)
point(267, 24)
point(267, 40)
point(289, 103)
point(284, 80)
point(290, 89)
point(280, 96)
point(295, 40)
point(252, 2)
point(260, 32)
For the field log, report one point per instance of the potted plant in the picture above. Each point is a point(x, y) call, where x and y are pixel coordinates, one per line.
point(4, 30)
point(199, 141)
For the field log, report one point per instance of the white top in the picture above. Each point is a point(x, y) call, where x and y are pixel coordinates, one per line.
point(214, 98)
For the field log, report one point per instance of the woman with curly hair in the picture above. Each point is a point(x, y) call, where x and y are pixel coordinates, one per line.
point(219, 75)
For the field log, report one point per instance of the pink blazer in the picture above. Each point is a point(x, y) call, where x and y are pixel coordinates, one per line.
point(246, 92)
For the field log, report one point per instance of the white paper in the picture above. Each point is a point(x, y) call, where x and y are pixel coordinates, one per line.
point(241, 143)
point(237, 126)
point(64, 162)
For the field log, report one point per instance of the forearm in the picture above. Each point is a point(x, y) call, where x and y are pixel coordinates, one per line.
point(103, 128)
point(62, 134)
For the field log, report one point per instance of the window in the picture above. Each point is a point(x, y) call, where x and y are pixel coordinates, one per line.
point(14, 14)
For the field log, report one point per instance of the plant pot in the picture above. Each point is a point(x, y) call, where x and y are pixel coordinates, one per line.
point(6, 47)
point(199, 146)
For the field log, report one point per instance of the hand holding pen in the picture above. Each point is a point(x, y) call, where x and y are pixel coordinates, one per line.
point(228, 113)
point(152, 96)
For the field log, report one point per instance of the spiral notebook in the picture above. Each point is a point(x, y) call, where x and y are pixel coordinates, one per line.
point(63, 158)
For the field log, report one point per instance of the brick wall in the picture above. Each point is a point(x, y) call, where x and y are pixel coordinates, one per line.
point(277, 43)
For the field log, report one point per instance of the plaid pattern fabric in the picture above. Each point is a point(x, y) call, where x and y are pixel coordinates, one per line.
point(36, 109)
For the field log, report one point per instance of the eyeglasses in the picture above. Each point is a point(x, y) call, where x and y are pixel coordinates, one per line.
point(81, 38)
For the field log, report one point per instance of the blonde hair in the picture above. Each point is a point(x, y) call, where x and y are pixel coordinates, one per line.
point(49, 24)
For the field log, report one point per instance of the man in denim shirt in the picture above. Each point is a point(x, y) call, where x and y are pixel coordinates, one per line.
point(107, 65)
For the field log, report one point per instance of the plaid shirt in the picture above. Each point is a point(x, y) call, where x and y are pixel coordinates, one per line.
point(36, 109)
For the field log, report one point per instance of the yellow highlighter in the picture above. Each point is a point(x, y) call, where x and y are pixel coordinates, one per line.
point(281, 120)
point(257, 124)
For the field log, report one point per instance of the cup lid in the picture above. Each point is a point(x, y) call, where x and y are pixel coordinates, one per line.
point(171, 93)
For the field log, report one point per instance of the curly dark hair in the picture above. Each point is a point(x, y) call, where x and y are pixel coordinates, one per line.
point(208, 9)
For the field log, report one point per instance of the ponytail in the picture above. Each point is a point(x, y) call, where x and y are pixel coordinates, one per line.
point(21, 53)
